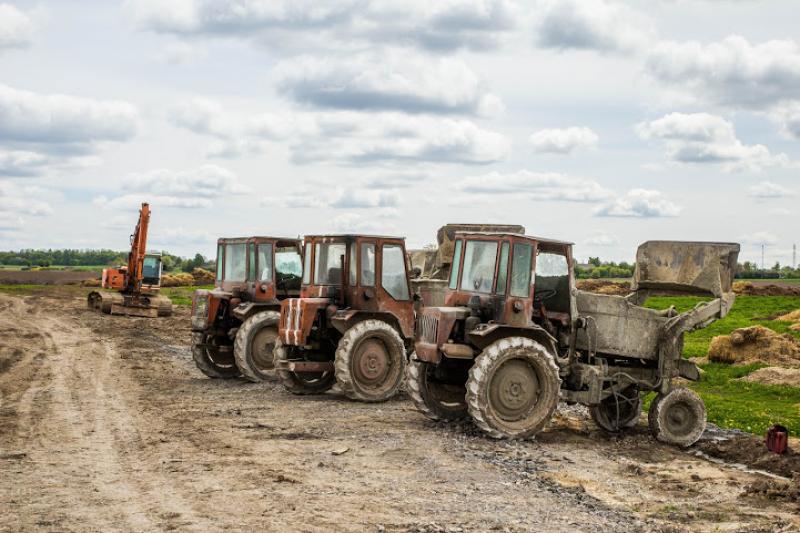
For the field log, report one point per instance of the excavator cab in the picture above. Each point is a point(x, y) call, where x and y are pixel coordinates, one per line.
point(151, 270)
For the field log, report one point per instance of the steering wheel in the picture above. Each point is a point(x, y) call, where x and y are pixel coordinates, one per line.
point(543, 294)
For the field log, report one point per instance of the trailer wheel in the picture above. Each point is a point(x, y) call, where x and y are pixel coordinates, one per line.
point(618, 411)
point(370, 361)
point(513, 388)
point(211, 361)
point(437, 401)
point(678, 417)
point(255, 343)
point(300, 382)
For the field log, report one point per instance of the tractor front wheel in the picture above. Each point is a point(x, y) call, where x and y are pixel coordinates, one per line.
point(370, 361)
point(618, 411)
point(211, 360)
point(435, 399)
point(255, 344)
point(300, 382)
point(678, 417)
point(513, 388)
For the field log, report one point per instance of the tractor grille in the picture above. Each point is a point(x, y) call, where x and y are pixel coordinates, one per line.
point(292, 320)
point(428, 329)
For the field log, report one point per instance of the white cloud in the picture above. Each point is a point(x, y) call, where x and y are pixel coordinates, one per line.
point(191, 189)
point(759, 238)
point(706, 138)
point(537, 186)
point(338, 198)
point(360, 223)
point(453, 24)
point(563, 140)
point(18, 202)
point(600, 25)
point(165, 237)
point(768, 189)
point(600, 238)
point(640, 203)
point(17, 28)
point(731, 71)
point(399, 79)
point(22, 163)
point(787, 115)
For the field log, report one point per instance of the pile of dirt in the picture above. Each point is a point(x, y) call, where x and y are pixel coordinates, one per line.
point(777, 490)
point(92, 282)
point(604, 286)
point(750, 450)
point(755, 344)
point(749, 289)
point(46, 277)
point(203, 277)
point(774, 375)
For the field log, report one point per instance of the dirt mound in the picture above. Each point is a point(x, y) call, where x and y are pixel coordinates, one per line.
point(750, 289)
point(46, 277)
point(604, 286)
point(753, 345)
point(777, 490)
point(751, 451)
point(774, 375)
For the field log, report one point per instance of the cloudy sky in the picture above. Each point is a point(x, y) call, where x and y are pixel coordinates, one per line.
point(602, 122)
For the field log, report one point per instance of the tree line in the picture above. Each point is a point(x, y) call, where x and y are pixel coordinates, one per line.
point(99, 258)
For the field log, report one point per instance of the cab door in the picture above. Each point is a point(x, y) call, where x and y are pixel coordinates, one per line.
point(393, 287)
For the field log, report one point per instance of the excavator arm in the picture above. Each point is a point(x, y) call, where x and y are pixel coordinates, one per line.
point(138, 249)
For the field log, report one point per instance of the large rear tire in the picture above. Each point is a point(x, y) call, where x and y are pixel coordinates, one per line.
point(301, 383)
point(254, 345)
point(678, 417)
point(513, 388)
point(212, 362)
point(370, 361)
point(619, 411)
point(436, 400)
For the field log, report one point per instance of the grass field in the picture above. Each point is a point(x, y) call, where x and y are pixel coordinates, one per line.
point(751, 407)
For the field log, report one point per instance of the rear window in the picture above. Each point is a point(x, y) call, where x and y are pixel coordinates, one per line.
point(328, 263)
point(235, 262)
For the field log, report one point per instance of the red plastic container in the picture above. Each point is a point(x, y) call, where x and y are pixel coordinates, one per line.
point(777, 439)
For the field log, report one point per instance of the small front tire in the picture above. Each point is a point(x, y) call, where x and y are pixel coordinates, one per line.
point(210, 360)
point(434, 399)
point(678, 417)
point(301, 383)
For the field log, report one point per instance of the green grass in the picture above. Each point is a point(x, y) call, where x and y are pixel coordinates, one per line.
point(182, 295)
point(747, 406)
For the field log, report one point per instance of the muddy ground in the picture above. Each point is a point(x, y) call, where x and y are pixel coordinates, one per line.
point(46, 277)
point(105, 424)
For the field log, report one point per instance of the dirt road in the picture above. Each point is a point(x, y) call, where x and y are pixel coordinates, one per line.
point(105, 424)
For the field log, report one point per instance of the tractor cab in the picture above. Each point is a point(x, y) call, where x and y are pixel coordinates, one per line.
point(512, 279)
point(259, 269)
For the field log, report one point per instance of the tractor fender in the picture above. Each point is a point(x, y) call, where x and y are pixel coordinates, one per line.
point(485, 334)
point(245, 310)
point(345, 319)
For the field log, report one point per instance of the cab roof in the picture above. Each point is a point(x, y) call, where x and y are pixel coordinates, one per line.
point(514, 235)
point(264, 237)
point(353, 236)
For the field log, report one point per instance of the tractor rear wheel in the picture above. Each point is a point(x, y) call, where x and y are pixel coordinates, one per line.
point(255, 343)
point(370, 361)
point(300, 382)
point(678, 417)
point(436, 400)
point(619, 411)
point(513, 388)
point(212, 361)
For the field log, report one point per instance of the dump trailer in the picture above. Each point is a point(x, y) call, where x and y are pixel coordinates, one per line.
point(353, 322)
point(234, 326)
point(514, 336)
point(136, 284)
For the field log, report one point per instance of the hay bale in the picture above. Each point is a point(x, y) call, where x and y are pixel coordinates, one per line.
point(774, 375)
point(91, 283)
point(203, 277)
point(604, 286)
point(755, 344)
point(794, 316)
point(182, 279)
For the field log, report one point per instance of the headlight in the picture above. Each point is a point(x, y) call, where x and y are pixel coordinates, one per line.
point(200, 310)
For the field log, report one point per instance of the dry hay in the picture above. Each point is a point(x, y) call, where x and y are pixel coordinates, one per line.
point(755, 344)
point(91, 283)
point(202, 276)
point(774, 375)
point(604, 286)
point(749, 289)
point(794, 316)
point(181, 279)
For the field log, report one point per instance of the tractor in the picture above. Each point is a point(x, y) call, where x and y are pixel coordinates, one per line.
point(234, 326)
point(353, 323)
point(515, 336)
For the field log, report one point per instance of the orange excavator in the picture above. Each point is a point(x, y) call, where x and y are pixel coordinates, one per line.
point(135, 285)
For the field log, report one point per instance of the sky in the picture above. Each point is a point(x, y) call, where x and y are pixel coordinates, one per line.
point(604, 123)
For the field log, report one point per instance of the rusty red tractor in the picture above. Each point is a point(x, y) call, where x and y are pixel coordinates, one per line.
point(234, 326)
point(514, 336)
point(353, 322)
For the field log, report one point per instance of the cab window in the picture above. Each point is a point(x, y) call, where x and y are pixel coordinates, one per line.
point(456, 265)
point(264, 262)
point(307, 265)
point(502, 270)
point(479, 262)
point(521, 270)
point(235, 262)
point(328, 263)
point(220, 248)
point(251, 262)
point(352, 266)
point(393, 272)
point(367, 265)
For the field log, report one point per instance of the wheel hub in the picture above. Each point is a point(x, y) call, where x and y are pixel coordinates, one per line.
point(514, 390)
point(262, 348)
point(371, 361)
point(679, 419)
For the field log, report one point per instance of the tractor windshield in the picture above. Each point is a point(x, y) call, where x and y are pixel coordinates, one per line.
point(328, 263)
point(288, 267)
point(479, 262)
point(235, 262)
